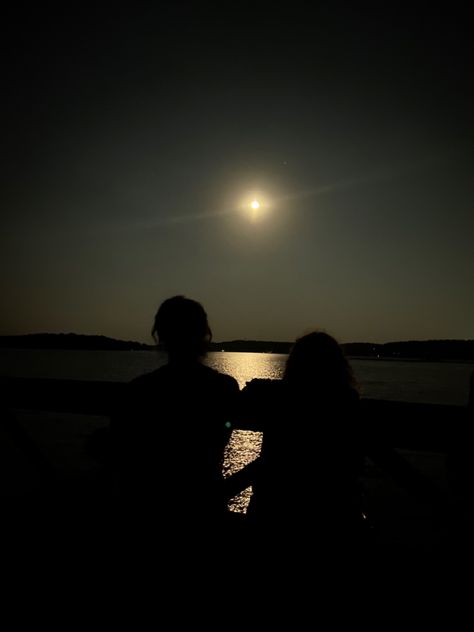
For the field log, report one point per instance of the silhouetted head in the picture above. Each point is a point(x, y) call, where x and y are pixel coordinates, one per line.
point(318, 360)
point(181, 327)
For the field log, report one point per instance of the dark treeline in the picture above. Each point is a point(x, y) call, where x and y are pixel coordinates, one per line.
point(70, 341)
point(415, 349)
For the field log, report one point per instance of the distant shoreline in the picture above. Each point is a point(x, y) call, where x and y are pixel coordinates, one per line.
point(408, 351)
point(408, 359)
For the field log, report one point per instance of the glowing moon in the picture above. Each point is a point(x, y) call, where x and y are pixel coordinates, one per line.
point(255, 206)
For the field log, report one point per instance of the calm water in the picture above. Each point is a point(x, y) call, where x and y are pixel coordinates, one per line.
point(432, 382)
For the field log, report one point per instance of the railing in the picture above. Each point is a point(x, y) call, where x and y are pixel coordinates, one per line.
point(416, 426)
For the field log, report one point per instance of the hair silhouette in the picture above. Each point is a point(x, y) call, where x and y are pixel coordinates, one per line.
point(318, 359)
point(181, 326)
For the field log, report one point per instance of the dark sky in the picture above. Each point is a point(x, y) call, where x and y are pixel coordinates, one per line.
point(133, 139)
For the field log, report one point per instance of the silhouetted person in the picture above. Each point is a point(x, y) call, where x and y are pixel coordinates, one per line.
point(306, 489)
point(168, 437)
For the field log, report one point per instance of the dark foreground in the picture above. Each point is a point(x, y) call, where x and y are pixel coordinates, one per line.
point(59, 499)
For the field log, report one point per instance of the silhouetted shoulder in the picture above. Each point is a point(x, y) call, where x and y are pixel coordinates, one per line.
point(260, 396)
point(198, 373)
point(225, 380)
point(260, 382)
point(262, 387)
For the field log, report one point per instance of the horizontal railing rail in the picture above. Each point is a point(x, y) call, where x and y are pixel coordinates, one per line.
point(417, 426)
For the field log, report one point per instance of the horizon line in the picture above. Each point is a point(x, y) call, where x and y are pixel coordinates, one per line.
point(233, 340)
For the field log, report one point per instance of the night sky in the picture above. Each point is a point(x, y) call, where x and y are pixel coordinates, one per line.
point(135, 139)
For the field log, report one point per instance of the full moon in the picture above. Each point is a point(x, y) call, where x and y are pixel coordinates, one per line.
point(255, 206)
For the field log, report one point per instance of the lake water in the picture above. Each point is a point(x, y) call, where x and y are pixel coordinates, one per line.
point(412, 381)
